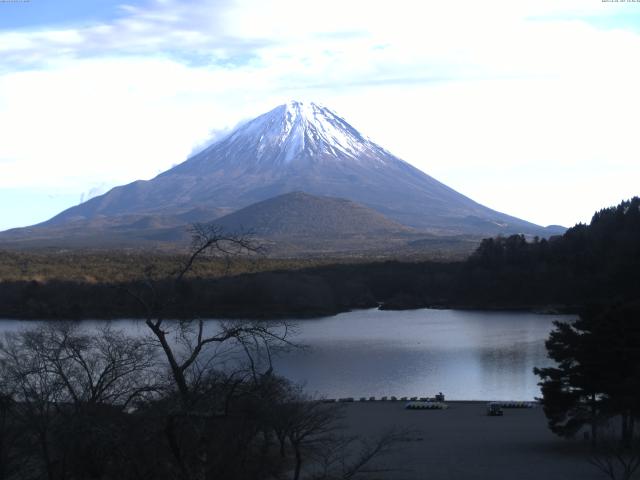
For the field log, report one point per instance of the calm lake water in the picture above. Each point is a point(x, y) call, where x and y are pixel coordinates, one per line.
point(467, 355)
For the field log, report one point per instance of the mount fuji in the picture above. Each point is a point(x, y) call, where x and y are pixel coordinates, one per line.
point(296, 147)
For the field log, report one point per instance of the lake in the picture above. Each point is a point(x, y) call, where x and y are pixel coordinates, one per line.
point(467, 355)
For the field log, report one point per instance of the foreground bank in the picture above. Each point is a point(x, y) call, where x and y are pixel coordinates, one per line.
point(463, 443)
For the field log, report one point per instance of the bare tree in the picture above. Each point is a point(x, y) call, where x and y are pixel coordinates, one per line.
point(56, 374)
point(102, 366)
point(300, 422)
point(314, 432)
point(617, 459)
point(184, 355)
point(212, 365)
point(10, 435)
point(37, 391)
point(349, 457)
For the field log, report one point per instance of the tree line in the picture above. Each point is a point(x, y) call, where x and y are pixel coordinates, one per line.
point(595, 263)
point(593, 388)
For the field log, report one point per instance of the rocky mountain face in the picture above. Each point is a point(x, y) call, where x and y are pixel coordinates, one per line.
point(296, 147)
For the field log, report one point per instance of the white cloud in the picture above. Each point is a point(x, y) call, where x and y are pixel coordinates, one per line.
point(495, 98)
point(95, 191)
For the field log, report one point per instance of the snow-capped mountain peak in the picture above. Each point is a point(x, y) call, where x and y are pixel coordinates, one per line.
point(308, 148)
point(300, 132)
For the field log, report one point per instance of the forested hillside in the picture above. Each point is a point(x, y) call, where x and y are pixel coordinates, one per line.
point(595, 263)
point(599, 262)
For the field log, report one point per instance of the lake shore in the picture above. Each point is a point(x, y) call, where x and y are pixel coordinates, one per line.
point(463, 443)
point(55, 287)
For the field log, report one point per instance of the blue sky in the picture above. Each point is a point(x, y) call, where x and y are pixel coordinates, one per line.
point(529, 107)
point(49, 13)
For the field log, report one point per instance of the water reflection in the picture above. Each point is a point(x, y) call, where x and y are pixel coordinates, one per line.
point(465, 354)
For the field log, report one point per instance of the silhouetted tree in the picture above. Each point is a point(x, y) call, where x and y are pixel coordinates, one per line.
point(184, 356)
point(220, 370)
point(597, 376)
point(10, 435)
point(615, 460)
point(60, 382)
point(571, 393)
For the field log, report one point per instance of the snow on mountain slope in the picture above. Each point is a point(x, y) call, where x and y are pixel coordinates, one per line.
point(297, 128)
point(294, 133)
point(302, 147)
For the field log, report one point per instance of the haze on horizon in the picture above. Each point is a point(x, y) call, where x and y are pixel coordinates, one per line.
point(526, 107)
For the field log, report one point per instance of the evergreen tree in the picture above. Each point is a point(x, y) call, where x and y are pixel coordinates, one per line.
point(572, 394)
point(597, 375)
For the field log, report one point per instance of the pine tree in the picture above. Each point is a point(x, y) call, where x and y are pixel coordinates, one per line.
point(597, 375)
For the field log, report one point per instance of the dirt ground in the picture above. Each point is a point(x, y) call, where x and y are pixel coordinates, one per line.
point(463, 443)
